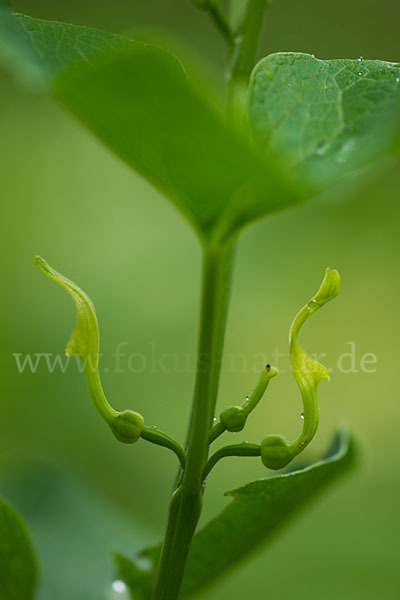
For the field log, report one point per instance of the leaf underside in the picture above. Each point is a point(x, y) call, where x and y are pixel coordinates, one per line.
point(258, 510)
point(18, 568)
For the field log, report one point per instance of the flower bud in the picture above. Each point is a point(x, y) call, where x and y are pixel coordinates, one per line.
point(275, 452)
point(233, 418)
point(127, 426)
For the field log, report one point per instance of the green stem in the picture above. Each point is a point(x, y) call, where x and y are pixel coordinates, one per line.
point(215, 432)
point(155, 436)
point(218, 18)
point(246, 21)
point(243, 449)
point(186, 501)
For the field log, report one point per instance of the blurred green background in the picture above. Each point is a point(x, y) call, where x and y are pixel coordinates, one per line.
point(68, 198)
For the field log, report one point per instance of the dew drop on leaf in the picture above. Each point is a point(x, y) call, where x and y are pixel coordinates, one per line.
point(144, 563)
point(119, 590)
point(344, 151)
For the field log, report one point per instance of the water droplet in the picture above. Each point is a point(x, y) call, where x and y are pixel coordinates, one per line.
point(346, 147)
point(312, 305)
point(245, 442)
point(214, 419)
point(312, 55)
point(398, 79)
point(119, 586)
point(154, 426)
point(247, 397)
point(360, 74)
point(302, 416)
point(144, 563)
point(361, 59)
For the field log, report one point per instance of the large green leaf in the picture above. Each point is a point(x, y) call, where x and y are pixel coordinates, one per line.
point(18, 568)
point(139, 100)
point(322, 118)
point(257, 512)
point(325, 118)
point(313, 120)
point(142, 104)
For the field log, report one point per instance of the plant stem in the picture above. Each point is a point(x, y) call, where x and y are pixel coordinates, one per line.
point(243, 449)
point(155, 436)
point(218, 18)
point(186, 500)
point(246, 21)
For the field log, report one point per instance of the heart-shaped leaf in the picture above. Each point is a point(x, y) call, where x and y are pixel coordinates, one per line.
point(18, 567)
point(325, 118)
point(257, 511)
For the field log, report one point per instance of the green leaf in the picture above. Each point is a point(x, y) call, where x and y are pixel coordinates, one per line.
point(313, 120)
point(17, 50)
point(325, 118)
point(37, 51)
point(169, 128)
point(137, 576)
point(58, 45)
point(18, 566)
point(164, 124)
point(257, 512)
point(66, 512)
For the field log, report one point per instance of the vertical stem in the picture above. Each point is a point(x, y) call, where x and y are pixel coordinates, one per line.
point(217, 270)
point(186, 501)
point(246, 20)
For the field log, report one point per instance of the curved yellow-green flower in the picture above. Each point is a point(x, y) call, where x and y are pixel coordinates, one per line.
point(126, 426)
point(276, 450)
